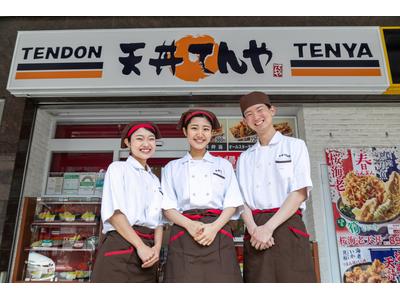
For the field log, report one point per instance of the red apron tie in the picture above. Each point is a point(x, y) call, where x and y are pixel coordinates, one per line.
point(208, 212)
point(271, 211)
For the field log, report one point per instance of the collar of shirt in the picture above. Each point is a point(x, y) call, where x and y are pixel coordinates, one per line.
point(207, 157)
point(137, 165)
point(275, 140)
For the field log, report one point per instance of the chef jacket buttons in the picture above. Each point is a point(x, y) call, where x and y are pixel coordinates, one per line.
point(193, 176)
point(205, 175)
point(208, 194)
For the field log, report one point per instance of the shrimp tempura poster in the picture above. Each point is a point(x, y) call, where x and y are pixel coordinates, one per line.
point(364, 186)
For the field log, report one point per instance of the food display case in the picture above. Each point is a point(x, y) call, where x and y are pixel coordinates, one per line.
point(58, 239)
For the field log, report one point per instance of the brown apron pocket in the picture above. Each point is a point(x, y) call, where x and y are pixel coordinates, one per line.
point(299, 232)
point(301, 250)
point(119, 252)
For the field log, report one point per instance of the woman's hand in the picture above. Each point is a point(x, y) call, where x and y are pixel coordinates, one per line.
point(195, 228)
point(145, 253)
point(208, 235)
point(154, 259)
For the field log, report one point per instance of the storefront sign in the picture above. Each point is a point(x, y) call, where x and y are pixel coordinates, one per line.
point(365, 194)
point(184, 61)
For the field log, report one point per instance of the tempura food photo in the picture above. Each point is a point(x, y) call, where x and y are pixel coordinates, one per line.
point(367, 273)
point(366, 198)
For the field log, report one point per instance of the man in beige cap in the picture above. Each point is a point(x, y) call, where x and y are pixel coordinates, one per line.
point(274, 177)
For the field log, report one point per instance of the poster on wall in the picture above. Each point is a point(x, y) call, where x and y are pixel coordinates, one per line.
point(364, 188)
point(240, 137)
point(235, 136)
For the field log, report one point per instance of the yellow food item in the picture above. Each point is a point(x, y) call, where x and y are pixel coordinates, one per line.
point(88, 216)
point(67, 216)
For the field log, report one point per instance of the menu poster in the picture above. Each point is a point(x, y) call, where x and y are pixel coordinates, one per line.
point(54, 185)
point(241, 136)
point(87, 182)
point(71, 184)
point(99, 183)
point(364, 188)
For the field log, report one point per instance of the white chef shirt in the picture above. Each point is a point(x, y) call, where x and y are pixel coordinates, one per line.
point(198, 184)
point(267, 174)
point(128, 187)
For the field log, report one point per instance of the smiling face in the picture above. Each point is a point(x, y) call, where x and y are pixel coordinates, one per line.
point(198, 133)
point(259, 117)
point(142, 145)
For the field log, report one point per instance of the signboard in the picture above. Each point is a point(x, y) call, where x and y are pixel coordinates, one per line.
point(187, 61)
point(365, 193)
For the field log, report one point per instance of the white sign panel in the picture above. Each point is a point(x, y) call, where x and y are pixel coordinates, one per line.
point(184, 61)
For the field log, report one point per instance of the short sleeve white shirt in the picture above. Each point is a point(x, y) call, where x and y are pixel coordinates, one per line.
point(133, 190)
point(267, 174)
point(199, 184)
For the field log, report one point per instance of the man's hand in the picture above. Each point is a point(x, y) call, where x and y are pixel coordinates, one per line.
point(208, 235)
point(261, 238)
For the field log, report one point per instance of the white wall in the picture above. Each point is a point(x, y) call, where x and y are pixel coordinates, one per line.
point(37, 166)
point(351, 125)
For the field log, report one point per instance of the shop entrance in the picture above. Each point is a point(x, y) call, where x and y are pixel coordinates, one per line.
point(70, 152)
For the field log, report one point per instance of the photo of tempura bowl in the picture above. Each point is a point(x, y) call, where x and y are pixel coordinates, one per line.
point(354, 214)
point(241, 132)
point(368, 199)
point(370, 272)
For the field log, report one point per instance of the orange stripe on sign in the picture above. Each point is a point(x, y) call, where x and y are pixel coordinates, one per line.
point(58, 75)
point(336, 72)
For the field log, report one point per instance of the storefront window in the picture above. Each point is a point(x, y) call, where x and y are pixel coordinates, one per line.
point(80, 162)
point(101, 131)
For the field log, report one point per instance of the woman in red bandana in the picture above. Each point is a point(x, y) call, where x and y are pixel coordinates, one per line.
point(131, 212)
point(201, 194)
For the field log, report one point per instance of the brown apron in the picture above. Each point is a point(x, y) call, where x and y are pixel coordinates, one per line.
point(188, 261)
point(289, 260)
point(118, 261)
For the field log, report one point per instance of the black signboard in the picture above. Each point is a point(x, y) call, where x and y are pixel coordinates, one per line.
point(392, 40)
